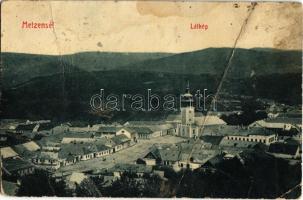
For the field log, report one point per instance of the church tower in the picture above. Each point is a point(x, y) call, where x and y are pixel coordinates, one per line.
point(187, 108)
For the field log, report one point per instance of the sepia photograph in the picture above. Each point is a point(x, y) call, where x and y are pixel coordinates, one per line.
point(151, 99)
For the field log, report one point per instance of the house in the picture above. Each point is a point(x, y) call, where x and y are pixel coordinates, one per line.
point(225, 144)
point(142, 132)
point(139, 170)
point(89, 151)
point(77, 146)
point(74, 152)
point(255, 134)
point(24, 128)
point(129, 132)
point(80, 129)
point(158, 128)
point(16, 167)
point(27, 150)
point(283, 123)
point(78, 137)
point(38, 121)
point(10, 124)
point(50, 146)
point(214, 161)
point(285, 150)
point(179, 156)
point(45, 128)
point(47, 160)
point(62, 128)
point(284, 134)
point(142, 123)
point(121, 142)
point(31, 146)
point(163, 155)
point(214, 140)
point(162, 129)
point(194, 154)
point(108, 131)
point(102, 150)
point(107, 142)
point(67, 154)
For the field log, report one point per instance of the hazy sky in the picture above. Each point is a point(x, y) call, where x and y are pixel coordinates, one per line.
point(132, 26)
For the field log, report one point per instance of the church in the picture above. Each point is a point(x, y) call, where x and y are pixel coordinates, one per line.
point(190, 124)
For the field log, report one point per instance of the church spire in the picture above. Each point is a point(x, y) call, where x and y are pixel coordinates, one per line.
point(187, 88)
point(187, 97)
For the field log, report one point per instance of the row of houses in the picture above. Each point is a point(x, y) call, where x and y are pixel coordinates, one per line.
point(56, 155)
point(225, 142)
point(16, 160)
point(179, 156)
point(237, 133)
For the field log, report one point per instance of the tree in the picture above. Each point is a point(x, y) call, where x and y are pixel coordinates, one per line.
point(131, 185)
point(40, 183)
point(87, 188)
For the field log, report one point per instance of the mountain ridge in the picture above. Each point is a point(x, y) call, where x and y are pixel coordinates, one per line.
point(208, 60)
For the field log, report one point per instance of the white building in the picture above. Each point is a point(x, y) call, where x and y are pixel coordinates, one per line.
point(259, 135)
point(283, 123)
point(187, 127)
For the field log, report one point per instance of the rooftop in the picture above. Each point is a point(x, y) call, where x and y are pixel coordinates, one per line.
point(109, 129)
point(135, 168)
point(237, 143)
point(119, 139)
point(144, 123)
point(47, 155)
point(14, 164)
point(8, 152)
point(141, 130)
point(45, 126)
point(25, 127)
point(236, 130)
point(286, 120)
point(212, 139)
point(27, 150)
point(283, 148)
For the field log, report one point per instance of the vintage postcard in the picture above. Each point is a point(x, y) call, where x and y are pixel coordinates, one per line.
point(159, 99)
